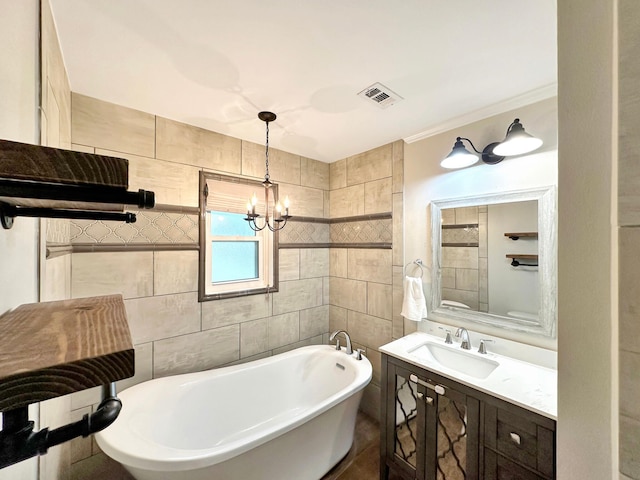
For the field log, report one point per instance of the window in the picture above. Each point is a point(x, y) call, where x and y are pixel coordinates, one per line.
point(234, 259)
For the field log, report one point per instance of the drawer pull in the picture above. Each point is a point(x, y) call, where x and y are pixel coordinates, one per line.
point(515, 438)
point(414, 378)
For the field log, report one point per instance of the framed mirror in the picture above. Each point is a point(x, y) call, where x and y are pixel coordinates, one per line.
point(494, 260)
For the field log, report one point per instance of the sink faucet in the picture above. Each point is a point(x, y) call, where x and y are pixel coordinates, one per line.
point(462, 333)
point(346, 335)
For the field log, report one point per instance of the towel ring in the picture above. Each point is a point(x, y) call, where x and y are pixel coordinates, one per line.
point(418, 263)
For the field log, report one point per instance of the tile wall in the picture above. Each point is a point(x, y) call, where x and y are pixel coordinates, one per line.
point(355, 203)
point(629, 239)
point(464, 256)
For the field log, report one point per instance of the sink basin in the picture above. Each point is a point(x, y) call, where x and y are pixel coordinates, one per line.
point(454, 358)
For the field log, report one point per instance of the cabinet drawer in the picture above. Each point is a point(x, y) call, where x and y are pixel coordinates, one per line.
point(497, 467)
point(519, 436)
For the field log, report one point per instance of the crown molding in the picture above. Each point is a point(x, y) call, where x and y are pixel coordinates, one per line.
point(512, 103)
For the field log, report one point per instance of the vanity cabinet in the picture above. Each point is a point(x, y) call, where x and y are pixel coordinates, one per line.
point(434, 428)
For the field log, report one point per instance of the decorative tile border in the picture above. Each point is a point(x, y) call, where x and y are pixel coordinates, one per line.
point(369, 231)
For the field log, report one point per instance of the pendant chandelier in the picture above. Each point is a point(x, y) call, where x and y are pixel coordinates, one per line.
point(278, 220)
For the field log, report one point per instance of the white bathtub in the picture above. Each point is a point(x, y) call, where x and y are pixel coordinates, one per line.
point(290, 416)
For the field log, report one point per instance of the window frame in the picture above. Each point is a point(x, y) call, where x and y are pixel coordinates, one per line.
point(268, 244)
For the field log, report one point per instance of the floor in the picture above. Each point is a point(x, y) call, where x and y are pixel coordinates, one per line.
point(363, 460)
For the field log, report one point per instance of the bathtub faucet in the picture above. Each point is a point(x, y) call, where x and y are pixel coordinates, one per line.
point(346, 335)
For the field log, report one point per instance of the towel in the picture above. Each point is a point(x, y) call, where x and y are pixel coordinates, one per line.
point(414, 306)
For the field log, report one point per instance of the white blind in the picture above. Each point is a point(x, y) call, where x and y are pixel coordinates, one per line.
point(228, 194)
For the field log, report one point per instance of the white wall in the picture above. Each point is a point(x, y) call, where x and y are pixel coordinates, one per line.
point(587, 243)
point(512, 288)
point(18, 122)
point(425, 180)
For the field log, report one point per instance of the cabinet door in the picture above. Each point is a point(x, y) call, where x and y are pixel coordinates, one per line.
point(404, 414)
point(452, 433)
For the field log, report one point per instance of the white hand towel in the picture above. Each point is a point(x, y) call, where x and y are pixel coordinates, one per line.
point(414, 306)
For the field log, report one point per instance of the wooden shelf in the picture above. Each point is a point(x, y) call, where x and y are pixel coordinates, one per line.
point(52, 349)
point(522, 256)
point(517, 235)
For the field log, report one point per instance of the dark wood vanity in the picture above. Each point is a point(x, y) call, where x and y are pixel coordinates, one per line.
point(433, 427)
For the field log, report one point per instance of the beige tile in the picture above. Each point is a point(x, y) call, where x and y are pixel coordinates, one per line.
point(375, 357)
point(371, 165)
point(175, 272)
point(466, 215)
point(410, 326)
point(380, 300)
point(143, 369)
point(483, 242)
point(338, 262)
point(448, 216)
point(172, 183)
point(298, 295)
point(314, 321)
point(629, 286)
point(155, 318)
point(467, 279)
point(314, 262)
point(325, 291)
point(373, 265)
point(483, 280)
point(629, 446)
point(448, 277)
point(254, 337)
point(53, 118)
point(338, 174)
point(182, 143)
point(76, 147)
point(628, 114)
point(314, 173)
point(284, 329)
point(468, 298)
point(377, 196)
point(317, 340)
point(283, 166)
point(304, 201)
point(346, 202)
point(99, 467)
point(219, 313)
point(398, 296)
point(370, 403)
point(56, 283)
point(337, 318)
point(80, 446)
point(629, 384)
point(112, 127)
point(398, 229)
point(196, 351)
point(289, 259)
point(460, 257)
point(249, 359)
point(370, 331)
point(349, 294)
point(106, 273)
point(398, 166)
point(327, 203)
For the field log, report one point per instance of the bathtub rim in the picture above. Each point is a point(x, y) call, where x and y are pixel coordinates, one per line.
point(167, 458)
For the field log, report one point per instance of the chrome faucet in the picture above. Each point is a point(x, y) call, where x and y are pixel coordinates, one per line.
point(346, 335)
point(462, 333)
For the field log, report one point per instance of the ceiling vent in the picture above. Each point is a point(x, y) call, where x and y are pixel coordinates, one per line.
point(382, 96)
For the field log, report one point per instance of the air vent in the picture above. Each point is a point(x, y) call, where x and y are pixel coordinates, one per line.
point(382, 96)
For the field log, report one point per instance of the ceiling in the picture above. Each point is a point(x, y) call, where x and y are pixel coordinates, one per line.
point(217, 63)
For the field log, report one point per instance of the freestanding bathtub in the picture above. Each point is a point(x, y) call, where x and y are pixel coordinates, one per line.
point(290, 416)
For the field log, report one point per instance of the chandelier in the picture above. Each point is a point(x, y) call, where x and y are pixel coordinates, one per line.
point(279, 219)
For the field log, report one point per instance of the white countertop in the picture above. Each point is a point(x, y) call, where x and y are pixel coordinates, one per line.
point(524, 384)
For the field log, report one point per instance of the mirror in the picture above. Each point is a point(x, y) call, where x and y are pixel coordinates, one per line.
point(494, 260)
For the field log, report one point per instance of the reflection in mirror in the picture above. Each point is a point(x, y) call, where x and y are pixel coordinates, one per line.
point(494, 260)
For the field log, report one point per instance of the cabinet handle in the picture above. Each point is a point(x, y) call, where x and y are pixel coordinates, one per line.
point(515, 438)
point(414, 378)
point(429, 400)
point(420, 395)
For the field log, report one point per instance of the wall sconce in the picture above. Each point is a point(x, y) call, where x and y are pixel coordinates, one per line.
point(516, 142)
